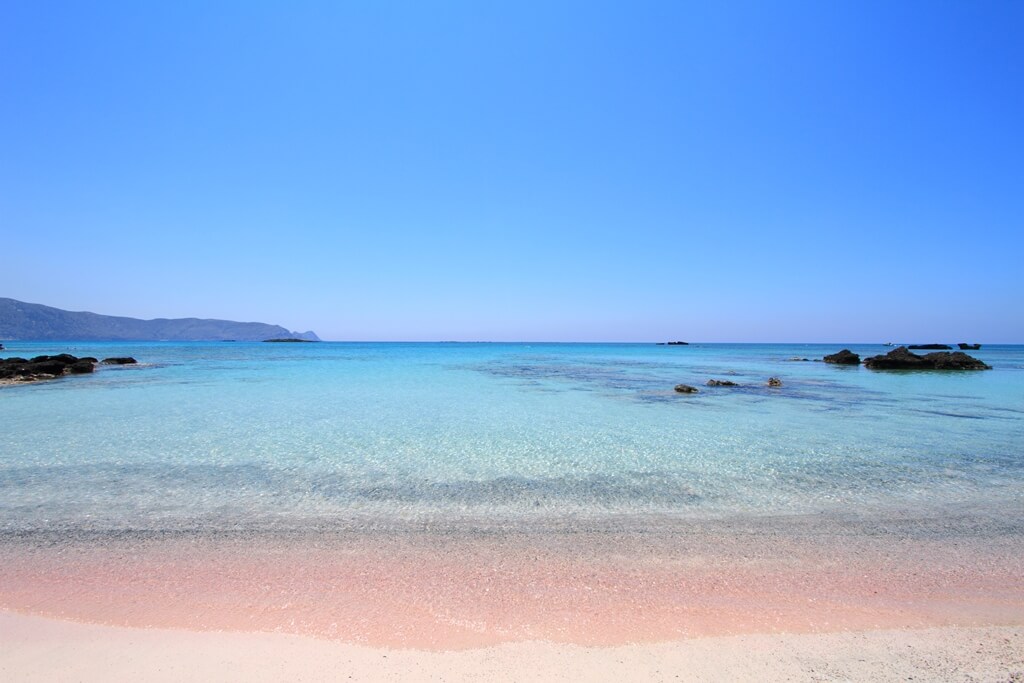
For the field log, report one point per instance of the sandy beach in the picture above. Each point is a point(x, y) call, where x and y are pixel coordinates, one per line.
point(40, 649)
point(811, 599)
point(203, 525)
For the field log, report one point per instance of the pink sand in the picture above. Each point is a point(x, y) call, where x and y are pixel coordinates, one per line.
point(451, 592)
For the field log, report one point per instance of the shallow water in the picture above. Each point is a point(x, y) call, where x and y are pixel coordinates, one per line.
point(230, 434)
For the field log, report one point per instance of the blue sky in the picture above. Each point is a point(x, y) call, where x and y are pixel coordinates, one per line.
point(772, 171)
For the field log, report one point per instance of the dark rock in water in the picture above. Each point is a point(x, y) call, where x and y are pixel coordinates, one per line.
point(963, 347)
point(127, 360)
point(721, 383)
point(90, 359)
point(43, 367)
point(957, 360)
point(897, 359)
point(774, 382)
point(798, 358)
point(82, 367)
point(844, 357)
point(903, 359)
point(678, 343)
point(930, 347)
point(686, 389)
point(61, 358)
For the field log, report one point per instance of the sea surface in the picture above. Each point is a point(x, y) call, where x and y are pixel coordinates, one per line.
point(229, 434)
point(456, 495)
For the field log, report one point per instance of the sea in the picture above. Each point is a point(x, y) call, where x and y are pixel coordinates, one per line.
point(229, 435)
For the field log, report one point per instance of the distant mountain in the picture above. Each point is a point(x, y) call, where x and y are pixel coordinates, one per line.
point(34, 322)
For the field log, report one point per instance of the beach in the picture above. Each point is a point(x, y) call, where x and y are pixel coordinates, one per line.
point(474, 341)
point(40, 649)
point(511, 512)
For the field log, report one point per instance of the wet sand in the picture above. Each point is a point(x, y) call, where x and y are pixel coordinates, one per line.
point(454, 588)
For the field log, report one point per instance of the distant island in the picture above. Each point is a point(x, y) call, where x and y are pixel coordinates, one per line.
point(35, 322)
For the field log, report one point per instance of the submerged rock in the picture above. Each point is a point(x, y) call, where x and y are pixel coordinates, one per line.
point(686, 389)
point(721, 383)
point(904, 359)
point(126, 360)
point(774, 382)
point(844, 357)
point(969, 347)
point(932, 347)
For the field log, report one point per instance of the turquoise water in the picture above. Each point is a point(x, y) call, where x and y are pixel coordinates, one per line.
point(250, 434)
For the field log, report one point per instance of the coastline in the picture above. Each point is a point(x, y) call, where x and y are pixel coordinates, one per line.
point(452, 588)
point(41, 649)
point(511, 514)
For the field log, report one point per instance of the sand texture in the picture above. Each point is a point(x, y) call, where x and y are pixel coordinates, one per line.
point(40, 649)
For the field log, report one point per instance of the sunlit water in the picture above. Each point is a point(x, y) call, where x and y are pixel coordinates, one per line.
point(257, 435)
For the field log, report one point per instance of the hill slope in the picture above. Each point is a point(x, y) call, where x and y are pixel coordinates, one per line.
point(35, 322)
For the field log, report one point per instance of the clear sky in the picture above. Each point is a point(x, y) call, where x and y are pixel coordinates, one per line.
point(769, 171)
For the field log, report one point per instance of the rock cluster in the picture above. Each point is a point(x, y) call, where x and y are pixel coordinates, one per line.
point(963, 347)
point(844, 357)
point(686, 389)
point(904, 359)
point(774, 382)
point(44, 367)
point(126, 360)
point(721, 383)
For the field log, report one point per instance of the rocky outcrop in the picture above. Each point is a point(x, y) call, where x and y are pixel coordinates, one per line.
point(957, 360)
point(126, 360)
point(930, 347)
point(686, 389)
point(963, 347)
point(44, 367)
point(774, 382)
point(82, 367)
point(721, 383)
point(844, 357)
point(903, 359)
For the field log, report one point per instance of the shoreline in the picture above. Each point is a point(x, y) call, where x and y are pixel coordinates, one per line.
point(42, 649)
point(460, 589)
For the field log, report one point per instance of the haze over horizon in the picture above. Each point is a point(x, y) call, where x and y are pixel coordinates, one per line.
point(571, 171)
